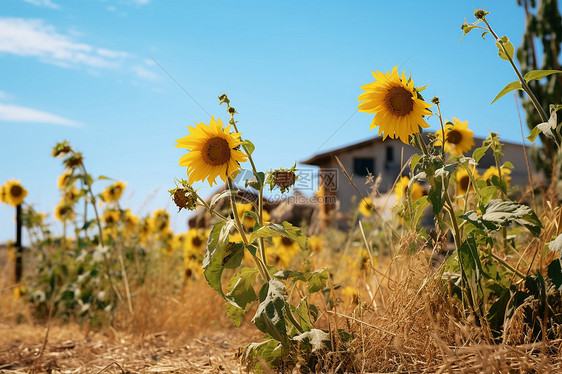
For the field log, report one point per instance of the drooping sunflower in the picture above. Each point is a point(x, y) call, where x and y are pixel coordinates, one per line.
point(463, 178)
point(12, 192)
point(113, 193)
point(398, 109)
point(492, 170)
point(401, 189)
point(458, 138)
point(212, 152)
point(64, 211)
point(64, 179)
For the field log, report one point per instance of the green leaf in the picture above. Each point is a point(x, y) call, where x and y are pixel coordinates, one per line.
point(225, 193)
point(318, 340)
point(499, 213)
point(534, 133)
point(418, 207)
point(257, 181)
point(284, 229)
point(103, 177)
point(555, 273)
point(420, 89)
point(249, 146)
point(516, 85)
point(480, 152)
point(504, 45)
point(508, 165)
point(415, 159)
point(539, 74)
point(241, 291)
point(270, 318)
point(213, 262)
point(233, 255)
point(304, 315)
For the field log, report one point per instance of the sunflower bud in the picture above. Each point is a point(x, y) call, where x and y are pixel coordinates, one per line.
point(480, 13)
point(282, 178)
point(224, 99)
point(184, 196)
point(74, 160)
point(435, 100)
point(61, 149)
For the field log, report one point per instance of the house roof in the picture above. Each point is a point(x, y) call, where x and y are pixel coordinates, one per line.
point(322, 158)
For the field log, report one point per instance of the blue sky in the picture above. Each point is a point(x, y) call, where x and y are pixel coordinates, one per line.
point(85, 71)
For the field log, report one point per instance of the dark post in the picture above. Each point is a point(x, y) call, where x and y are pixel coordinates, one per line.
point(19, 248)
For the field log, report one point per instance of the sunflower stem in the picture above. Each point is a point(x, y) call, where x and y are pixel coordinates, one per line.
point(443, 131)
point(262, 268)
point(261, 242)
point(522, 80)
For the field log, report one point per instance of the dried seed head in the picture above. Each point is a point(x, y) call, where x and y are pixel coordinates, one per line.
point(61, 149)
point(480, 13)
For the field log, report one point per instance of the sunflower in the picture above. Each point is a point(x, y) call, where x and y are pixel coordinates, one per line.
point(12, 192)
point(398, 109)
point(212, 152)
point(110, 217)
point(249, 221)
point(492, 170)
point(401, 189)
point(366, 207)
point(459, 139)
point(463, 178)
point(315, 243)
point(350, 296)
point(113, 193)
point(131, 221)
point(160, 221)
point(194, 245)
point(282, 252)
point(64, 211)
point(64, 179)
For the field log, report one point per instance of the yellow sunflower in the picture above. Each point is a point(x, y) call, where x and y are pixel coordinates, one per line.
point(110, 217)
point(160, 221)
point(350, 296)
point(113, 193)
point(194, 245)
point(401, 189)
point(315, 243)
point(212, 152)
point(366, 207)
point(64, 211)
point(398, 110)
point(458, 138)
point(492, 170)
point(64, 179)
point(282, 252)
point(463, 178)
point(12, 192)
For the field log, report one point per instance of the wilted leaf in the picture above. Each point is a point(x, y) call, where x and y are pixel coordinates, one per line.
point(556, 245)
point(317, 339)
point(270, 317)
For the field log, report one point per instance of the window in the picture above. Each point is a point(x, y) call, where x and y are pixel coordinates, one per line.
point(389, 154)
point(363, 166)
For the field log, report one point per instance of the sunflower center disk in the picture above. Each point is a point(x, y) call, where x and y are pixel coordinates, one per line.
point(16, 191)
point(463, 182)
point(196, 241)
point(216, 151)
point(286, 241)
point(399, 101)
point(454, 137)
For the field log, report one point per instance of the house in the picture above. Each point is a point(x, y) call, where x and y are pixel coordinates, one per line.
point(387, 159)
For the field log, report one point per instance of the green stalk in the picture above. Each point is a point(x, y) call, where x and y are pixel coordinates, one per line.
point(262, 268)
point(522, 80)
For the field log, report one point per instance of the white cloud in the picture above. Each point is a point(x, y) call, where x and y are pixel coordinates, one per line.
point(140, 2)
point(43, 3)
point(15, 113)
point(144, 73)
point(34, 38)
